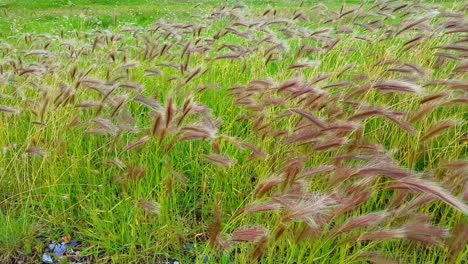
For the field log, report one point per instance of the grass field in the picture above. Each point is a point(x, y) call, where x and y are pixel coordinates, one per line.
point(220, 132)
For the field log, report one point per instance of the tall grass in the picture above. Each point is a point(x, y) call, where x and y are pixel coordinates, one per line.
point(281, 133)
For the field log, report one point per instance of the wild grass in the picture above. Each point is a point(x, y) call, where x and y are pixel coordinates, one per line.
point(270, 132)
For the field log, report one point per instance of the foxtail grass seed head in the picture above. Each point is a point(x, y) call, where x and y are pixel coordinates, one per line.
point(227, 132)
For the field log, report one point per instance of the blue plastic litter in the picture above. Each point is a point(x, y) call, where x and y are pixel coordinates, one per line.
point(46, 258)
point(58, 249)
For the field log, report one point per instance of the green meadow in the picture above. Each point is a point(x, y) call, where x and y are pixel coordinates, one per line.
point(228, 132)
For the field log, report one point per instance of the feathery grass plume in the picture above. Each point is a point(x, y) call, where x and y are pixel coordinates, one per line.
point(137, 143)
point(169, 112)
point(316, 121)
point(231, 56)
point(37, 53)
point(458, 164)
point(133, 173)
point(454, 47)
point(268, 185)
point(442, 58)
point(247, 235)
point(157, 124)
point(400, 123)
point(150, 207)
point(366, 114)
point(457, 242)
point(465, 192)
point(9, 110)
point(149, 102)
point(119, 103)
point(415, 68)
point(215, 228)
point(320, 78)
point(7, 149)
point(188, 133)
point(206, 87)
point(287, 85)
point(186, 108)
point(269, 58)
point(431, 188)
point(342, 174)
point(412, 24)
point(117, 163)
point(328, 144)
point(303, 92)
point(75, 121)
point(345, 69)
point(356, 145)
point(169, 65)
point(346, 127)
point(398, 86)
point(314, 210)
point(331, 45)
point(461, 68)
point(280, 231)
point(459, 100)
point(127, 66)
point(385, 169)
point(407, 208)
point(414, 40)
point(461, 85)
point(219, 160)
point(360, 221)
point(43, 109)
point(191, 76)
point(438, 128)
point(35, 151)
point(34, 71)
point(304, 64)
point(106, 124)
point(357, 91)
point(462, 139)
point(83, 75)
point(457, 29)
point(96, 132)
point(256, 152)
point(315, 171)
point(343, 14)
point(413, 44)
point(307, 232)
point(133, 86)
point(425, 233)
point(152, 72)
point(185, 49)
point(399, 198)
point(319, 32)
point(126, 122)
point(258, 249)
point(292, 167)
point(351, 198)
point(389, 115)
point(263, 207)
point(339, 84)
point(352, 174)
point(432, 97)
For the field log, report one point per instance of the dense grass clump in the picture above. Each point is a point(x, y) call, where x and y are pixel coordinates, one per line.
point(232, 133)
